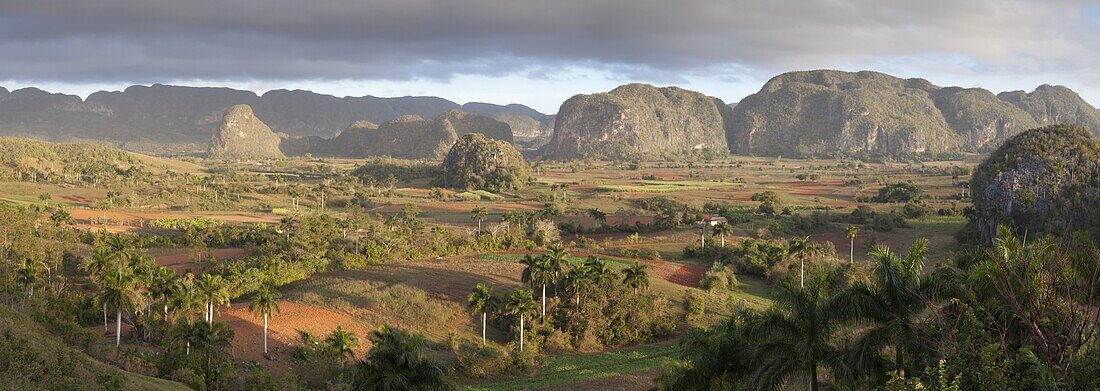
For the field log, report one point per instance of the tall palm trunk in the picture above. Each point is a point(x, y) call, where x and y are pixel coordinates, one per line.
point(544, 301)
point(813, 377)
point(105, 316)
point(265, 332)
point(852, 252)
point(801, 272)
point(118, 327)
point(521, 333)
point(900, 360)
point(483, 316)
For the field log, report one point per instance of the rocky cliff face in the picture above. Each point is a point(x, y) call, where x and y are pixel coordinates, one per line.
point(834, 113)
point(1055, 105)
point(524, 121)
point(639, 121)
point(243, 136)
point(407, 136)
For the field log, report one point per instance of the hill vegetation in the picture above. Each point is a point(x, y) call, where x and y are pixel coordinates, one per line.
point(1043, 181)
point(639, 122)
point(32, 358)
point(864, 114)
point(476, 162)
point(165, 118)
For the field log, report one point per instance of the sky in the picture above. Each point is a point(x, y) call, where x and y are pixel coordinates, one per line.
point(540, 53)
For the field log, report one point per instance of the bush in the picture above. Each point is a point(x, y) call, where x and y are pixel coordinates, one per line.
point(719, 278)
point(481, 361)
point(694, 307)
point(899, 192)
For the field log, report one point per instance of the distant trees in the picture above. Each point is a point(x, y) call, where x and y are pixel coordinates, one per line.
point(901, 192)
point(478, 214)
point(598, 215)
point(721, 230)
point(770, 203)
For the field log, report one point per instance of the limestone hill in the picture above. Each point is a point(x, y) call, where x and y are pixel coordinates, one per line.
point(835, 113)
point(639, 121)
point(243, 136)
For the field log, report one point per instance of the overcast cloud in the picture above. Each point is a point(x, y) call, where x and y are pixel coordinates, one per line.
point(376, 46)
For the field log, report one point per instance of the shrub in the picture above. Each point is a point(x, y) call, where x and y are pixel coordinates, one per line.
point(719, 278)
point(694, 307)
point(899, 192)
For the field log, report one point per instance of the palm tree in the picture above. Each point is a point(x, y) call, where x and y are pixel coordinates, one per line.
point(850, 232)
point(721, 230)
point(213, 339)
point(123, 293)
point(163, 282)
point(520, 303)
point(601, 272)
point(213, 292)
point(342, 344)
point(579, 281)
point(265, 303)
point(721, 356)
point(803, 247)
point(636, 276)
point(186, 301)
point(479, 301)
point(892, 302)
point(96, 266)
point(598, 215)
point(556, 258)
point(795, 336)
point(479, 214)
point(28, 275)
point(119, 250)
point(395, 362)
point(537, 272)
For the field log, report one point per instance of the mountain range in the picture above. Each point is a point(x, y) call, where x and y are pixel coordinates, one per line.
point(835, 113)
point(804, 113)
point(164, 118)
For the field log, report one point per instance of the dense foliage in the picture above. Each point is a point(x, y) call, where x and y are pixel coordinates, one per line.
point(1045, 180)
point(478, 162)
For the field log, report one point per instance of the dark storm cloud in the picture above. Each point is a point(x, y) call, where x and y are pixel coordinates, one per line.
point(149, 40)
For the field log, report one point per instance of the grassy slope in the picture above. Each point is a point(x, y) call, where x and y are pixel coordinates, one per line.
point(573, 368)
point(33, 359)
